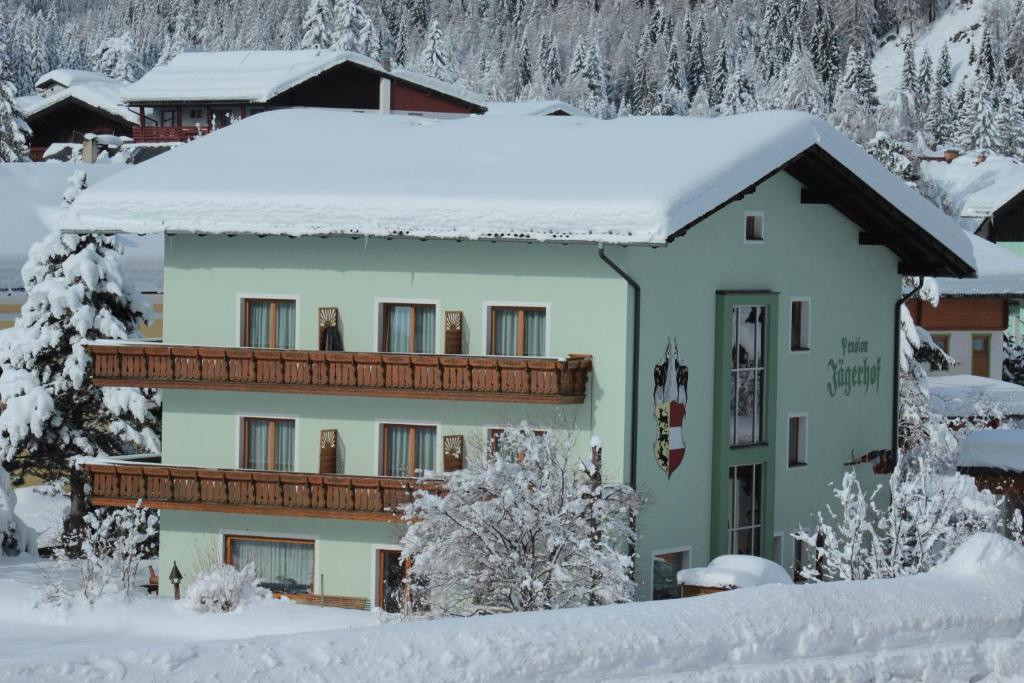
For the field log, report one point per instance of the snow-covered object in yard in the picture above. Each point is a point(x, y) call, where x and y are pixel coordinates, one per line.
point(30, 204)
point(534, 108)
point(974, 190)
point(959, 27)
point(91, 89)
point(969, 395)
point(1001, 449)
point(223, 588)
point(735, 571)
point(635, 180)
point(15, 536)
point(259, 75)
point(1000, 273)
point(962, 621)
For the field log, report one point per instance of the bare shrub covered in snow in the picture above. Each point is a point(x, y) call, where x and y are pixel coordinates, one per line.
point(526, 527)
point(223, 588)
point(52, 413)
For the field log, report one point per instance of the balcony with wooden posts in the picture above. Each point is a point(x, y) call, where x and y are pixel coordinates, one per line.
point(420, 376)
point(168, 133)
point(295, 494)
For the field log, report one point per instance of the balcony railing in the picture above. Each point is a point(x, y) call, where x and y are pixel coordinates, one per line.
point(168, 133)
point(253, 492)
point(426, 376)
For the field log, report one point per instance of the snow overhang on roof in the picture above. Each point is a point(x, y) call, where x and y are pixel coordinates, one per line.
point(534, 108)
point(638, 180)
point(101, 94)
point(70, 77)
point(973, 187)
point(999, 273)
point(257, 76)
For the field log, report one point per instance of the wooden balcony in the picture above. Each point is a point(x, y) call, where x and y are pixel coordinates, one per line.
point(423, 376)
point(292, 494)
point(168, 133)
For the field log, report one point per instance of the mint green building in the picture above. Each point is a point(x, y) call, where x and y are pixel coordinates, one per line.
point(715, 299)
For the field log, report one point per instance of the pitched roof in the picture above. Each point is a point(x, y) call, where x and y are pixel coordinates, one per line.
point(638, 180)
point(90, 89)
point(534, 108)
point(70, 77)
point(1000, 273)
point(974, 190)
point(260, 75)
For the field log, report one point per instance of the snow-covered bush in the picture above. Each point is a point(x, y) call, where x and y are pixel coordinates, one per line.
point(526, 526)
point(930, 513)
point(223, 588)
point(114, 542)
point(15, 536)
point(1013, 359)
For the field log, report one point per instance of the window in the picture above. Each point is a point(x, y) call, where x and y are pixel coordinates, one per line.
point(754, 227)
point(407, 450)
point(393, 590)
point(268, 323)
point(168, 118)
point(195, 114)
point(797, 440)
point(517, 331)
point(283, 565)
point(942, 341)
point(745, 514)
point(252, 111)
point(409, 328)
point(746, 425)
point(665, 566)
point(800, 325)
point(268, 444)
point(777, 548)
point(979, 355)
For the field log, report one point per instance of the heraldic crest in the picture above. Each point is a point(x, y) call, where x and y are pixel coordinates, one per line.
point(671, 377)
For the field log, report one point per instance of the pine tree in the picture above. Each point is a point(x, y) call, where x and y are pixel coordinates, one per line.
point(852, 111)
point(1010, 120)
point(908, 78)
point(116, 57)
point(856, 20)
point(673, 71)
point(798, 86)
point(864, 78)
point(893, 155)
point(435, 58)
point(944, 71)
point(716, 88)
point(551, 63)
point(354, 31)
point(925, 82)
point(773, 40)
point(937, 121)
point(987, 58)
point(12, 141)
point(696, 63)
point(984, 134)
point(643, 97)
point(75, 294)
point(825, 50)
point(525, 65)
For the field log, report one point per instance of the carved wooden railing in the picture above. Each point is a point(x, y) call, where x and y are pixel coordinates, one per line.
point(253, 492)
point(168, 133)
point(469, 378)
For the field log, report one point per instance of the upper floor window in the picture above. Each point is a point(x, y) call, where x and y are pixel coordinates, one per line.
point(797, 440)
point(664, 569)
point(268, 444)
point(268, 323)
point(518, 331)
point(409, 328)
point(800, 325)
point(754, 227)
point(942, 341)
point(746, 423)
point(408, 450)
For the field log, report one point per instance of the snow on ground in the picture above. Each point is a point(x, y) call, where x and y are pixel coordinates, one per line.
point(999, 448)
point(629, 180)
point(968, 395)
point(958, 27)
point(30, 200)
point(962, 621)
point(42, 512)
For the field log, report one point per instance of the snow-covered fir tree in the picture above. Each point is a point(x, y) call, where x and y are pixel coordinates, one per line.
point(52, 413)
point(318, 25)
point(825, 49)
point(116, 58)
point(944, 71)
point(984, 131)
point(436, 57)
point(1010, 120)
point(798, 86)
point(526, 526)
point(12, 139)
point(353, 30)
point(893, 154)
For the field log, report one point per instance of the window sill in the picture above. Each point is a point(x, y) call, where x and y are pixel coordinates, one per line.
point(797, 465)
point(745, 446)
point(800, 350)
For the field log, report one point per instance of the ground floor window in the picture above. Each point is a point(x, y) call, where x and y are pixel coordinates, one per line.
point(746, 484)
point(664, 568)
point(393, 592)
point(283, 565)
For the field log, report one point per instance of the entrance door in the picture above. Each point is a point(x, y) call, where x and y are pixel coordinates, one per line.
point(980, 355)
point(390, 580)
point(746, 334)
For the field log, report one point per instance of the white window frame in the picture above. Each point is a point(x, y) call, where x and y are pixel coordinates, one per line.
point(378, 438)
point(687, 551)
point(759, 215)
point(806, 327)
point(378, 320)
point(488, 305)
point(239, 417)
point(239, 305)
point(806, 439)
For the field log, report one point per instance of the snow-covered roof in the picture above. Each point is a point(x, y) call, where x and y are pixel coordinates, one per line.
point(260, 75)
point(1002, 449)
point(969, 396)
point(533, 108)
point(30, 194)
point(1000, 273)
point(975, 190)
point(70, 77)
point(636, 180)
point(735, 571)
point(98, 92)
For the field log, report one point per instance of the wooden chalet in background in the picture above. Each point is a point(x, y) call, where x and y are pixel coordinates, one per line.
point(199, 91)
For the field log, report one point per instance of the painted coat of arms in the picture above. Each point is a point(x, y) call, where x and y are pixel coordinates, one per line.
point(671, 377)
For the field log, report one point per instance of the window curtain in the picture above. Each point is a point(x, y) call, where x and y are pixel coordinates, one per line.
point(425, 329)
point(285, 326)
point(258, 334)
point(257, 444)
point(426, 447)
point(396, 441)
point(398, 329)
point(506, 332)
point(284, 446)
point(281, 567)
point(533, 336)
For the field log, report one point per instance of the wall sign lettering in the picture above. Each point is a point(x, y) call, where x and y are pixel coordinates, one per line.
point(854, 368)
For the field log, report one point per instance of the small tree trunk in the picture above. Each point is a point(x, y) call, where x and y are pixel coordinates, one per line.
point(75, 523)
point(595, 528)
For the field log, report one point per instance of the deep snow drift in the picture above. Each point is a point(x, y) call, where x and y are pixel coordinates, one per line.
point(962, 621)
